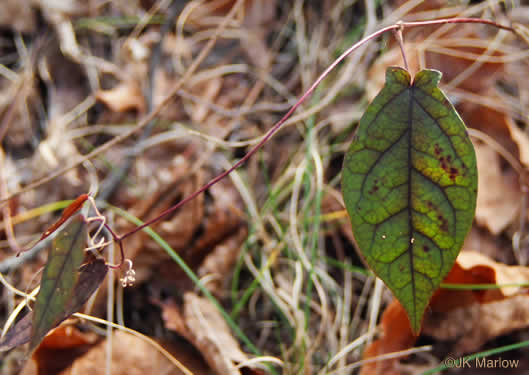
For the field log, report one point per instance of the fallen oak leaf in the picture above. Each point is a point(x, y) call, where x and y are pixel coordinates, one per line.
point(67, 336)
point(443, 54)
point(469, 326)
point(221, 260)
point(447, 299)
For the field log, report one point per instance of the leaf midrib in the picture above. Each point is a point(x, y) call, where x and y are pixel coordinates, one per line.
point(410, 171)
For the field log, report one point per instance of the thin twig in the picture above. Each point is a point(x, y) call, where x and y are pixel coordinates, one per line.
point(400, 40)
point(277, 126)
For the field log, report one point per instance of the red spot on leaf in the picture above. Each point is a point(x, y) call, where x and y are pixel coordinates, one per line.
point(454, 172)
point(444, 223)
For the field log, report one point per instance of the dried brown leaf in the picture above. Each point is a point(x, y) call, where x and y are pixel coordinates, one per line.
point(124, 97)
point(193, 232)
point(58, 350)
point(201, 323)
point(219, 262)
point(67, 336)
point(504, 274)
point(488, 244)
point(498, 192)
point(474, 325)
point(452, 60)
point(472, 317)
point(131, 356)
point(396, 335)
point(521, 139)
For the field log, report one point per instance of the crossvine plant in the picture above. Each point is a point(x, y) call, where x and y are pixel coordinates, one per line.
point(409, 185)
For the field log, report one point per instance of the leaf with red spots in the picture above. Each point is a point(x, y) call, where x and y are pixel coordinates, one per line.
point(410, 187)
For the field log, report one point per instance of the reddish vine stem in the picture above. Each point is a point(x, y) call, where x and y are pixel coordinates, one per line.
point(396, 27)
point(119, 241)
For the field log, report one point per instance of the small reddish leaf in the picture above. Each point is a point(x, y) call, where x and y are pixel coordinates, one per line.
point(66, 214)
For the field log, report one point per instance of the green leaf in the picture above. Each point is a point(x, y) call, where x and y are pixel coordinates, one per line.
point(59, 278)
point(410, 186)
point(91, 276)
